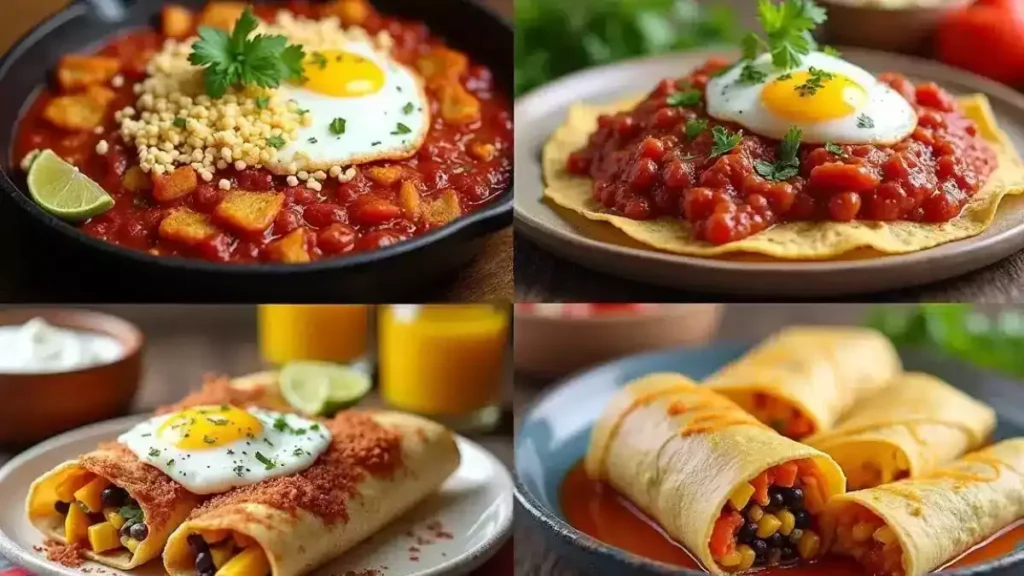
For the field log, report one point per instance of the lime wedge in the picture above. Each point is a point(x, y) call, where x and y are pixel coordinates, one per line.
point(60, 189)
point(322, 388)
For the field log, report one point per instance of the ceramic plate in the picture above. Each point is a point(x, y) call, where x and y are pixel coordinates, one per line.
point(474, 505)
point(600, 246)
point(556, 430)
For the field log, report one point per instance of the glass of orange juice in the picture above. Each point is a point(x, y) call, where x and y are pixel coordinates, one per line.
point(445, 362)
point(331, 333)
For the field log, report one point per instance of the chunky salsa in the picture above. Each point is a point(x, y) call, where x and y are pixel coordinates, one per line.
point(645, 166)
point(459, 167)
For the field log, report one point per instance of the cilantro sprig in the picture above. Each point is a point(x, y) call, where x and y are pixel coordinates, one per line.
point(236, 60)
point(787, 163)
point(723, 141)
point(787, 32)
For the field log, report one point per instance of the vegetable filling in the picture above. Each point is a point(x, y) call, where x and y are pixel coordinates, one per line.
point(770, 521)
point(100, 514)
point(226, 553)
point(864, 536)
point(782, 416)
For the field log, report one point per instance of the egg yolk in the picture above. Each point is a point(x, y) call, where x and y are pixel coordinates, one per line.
point(205, 427)
point(345, 74)
point(809, 98)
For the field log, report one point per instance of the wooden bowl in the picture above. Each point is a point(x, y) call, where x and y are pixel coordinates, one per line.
point(550, 346)
point(907, 30)
point(38, 406)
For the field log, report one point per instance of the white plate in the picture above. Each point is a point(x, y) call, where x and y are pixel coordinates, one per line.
point(474, 505)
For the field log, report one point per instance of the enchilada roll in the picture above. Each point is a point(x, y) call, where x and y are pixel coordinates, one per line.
point(910, 428)
point(116, 508)
point(377, 466)
point(735, 493)
point(911, 527)
point(802, 379)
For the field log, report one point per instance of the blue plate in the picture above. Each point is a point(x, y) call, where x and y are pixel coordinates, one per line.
point(556, 429)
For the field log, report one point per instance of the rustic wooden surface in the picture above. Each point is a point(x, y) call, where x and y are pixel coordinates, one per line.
point(740, 322)
point(487, 278)
point(185, 342)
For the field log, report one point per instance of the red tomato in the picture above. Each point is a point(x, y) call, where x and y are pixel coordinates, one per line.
point(986, 38)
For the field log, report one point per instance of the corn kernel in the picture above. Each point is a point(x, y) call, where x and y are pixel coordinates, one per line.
point(788, 522)
point(808, 545)
point(747, 557)
point(130, 543)
point(885, 535)
point(731, 559)
point(114, 517)
point(755, 513)
point(862, 531)
point(768, 524)
point(741, 495)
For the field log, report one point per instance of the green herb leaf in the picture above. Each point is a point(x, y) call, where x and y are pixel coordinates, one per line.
point(835, 149)
point(723, 140)
point(408, 108)
point(262, 102)
point(814, 82)
point(170, 462)
point(831, 51)
point(865, 121)
point(685, 98)
point(787, 163)
point(267, 462)
point(749, 74)
point(179, 122)
point(275, 142)
point(318, 59)
point(154, 453)
point(401, 129)
point(695, 127)
point(312, 140)
point(132, 513)
point(788, 26)
point(239, 470)
point(209, 440)
point(337, 126)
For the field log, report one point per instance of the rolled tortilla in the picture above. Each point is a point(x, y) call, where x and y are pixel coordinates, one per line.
point(379, 465)
point(165, 503)
point(911, 527)
point(689, 458)
point(910, 428)
point(802, 379)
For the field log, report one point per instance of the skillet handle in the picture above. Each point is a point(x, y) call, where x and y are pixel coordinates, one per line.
point(110, 10)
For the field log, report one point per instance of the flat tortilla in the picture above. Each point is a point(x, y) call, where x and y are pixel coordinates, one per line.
point(677, 451)
point(795, 240)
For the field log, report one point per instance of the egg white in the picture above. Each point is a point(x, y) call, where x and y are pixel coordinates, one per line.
point(893, 117)
point(215, 470)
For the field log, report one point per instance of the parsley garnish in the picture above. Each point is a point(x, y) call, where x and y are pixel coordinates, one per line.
point(835, 149)
point(751, 75)
point(132, 514)
point(685, 98)
point(170, 462)
point(312, 140)
point(314, 427)
point(179, 122)
point(239, 470)
point(297, 452)
point(208, 440)
point(401, 129)
point(786, 76)
point(375, 143)
point(275, 141)
point(267, 462)
point(695, 127)
point(814, 82)
point(787, 164)
point(262, 102)
point(237, 61)
point(724, 141)
point(153, 453)
point(787, 31)
point(408, 108)
point(280, 424)
point(319, 60)
point(337, 126)
point(231, 452)
point(865, 121)
point(217, 421)
point(831, 51)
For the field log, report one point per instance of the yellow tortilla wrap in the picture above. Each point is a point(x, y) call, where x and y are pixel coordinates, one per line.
point(940, 516)
point(677, 451)
point(795, 240)
point(819, 371)
point(296, 541)
point(165, 503)
point(916, 424)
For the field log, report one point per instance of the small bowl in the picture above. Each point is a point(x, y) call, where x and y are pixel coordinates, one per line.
point(868, 24)
point(547, 345)
point(42, 405)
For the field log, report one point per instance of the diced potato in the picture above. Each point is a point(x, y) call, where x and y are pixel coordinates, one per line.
point(83, 111)
point(250, 211)
point(384, 174)
point(291, 249)
point(409, 199)
point(442, 209)
point(75, 72)
point(250, 561)
point(188, 227)
point(91, 492)
point(114, 517)
point(458, 106)
point(136, 180)
point(169, 187)
point(130, 543)
point(442, 66)
point(221, 14)
point(178, 21)
point(103, 537)
point(351, 12)
point(222, 553)
point(76, 525)
point(482, 151)
point(68, 486)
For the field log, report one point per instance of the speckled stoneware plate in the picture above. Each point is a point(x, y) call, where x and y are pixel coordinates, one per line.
point(556, 430)
point(600, 246)
point(474, 505)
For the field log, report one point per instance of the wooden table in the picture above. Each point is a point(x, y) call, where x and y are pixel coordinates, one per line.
point(487, 278)
point(185, 342)
point(740, 322)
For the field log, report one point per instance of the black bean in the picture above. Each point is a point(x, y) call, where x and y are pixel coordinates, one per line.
point(775, 540)
point(112, 497)
point(197, 544)
point(746, 533)
point(802, 519)
point(788, 553)
point(139, 531)
point(760, 547)
point(204, 564)
point(775, 502)
point(61, 507)
point(793, 497)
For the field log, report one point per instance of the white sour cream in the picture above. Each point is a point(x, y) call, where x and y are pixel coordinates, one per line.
point(37, 347)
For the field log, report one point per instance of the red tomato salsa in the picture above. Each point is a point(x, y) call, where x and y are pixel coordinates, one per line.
point(459, 168)
point(644, 166)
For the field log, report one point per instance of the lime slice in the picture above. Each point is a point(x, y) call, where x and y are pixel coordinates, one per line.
point(62, 190)
point(322, 388)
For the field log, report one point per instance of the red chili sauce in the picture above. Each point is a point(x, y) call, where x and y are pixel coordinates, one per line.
point(357, 216)
point(643, 167)
point(599, 511)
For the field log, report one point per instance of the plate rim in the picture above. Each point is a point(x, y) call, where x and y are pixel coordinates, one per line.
point(569, 535)
point(551, 239)
point(468, 560)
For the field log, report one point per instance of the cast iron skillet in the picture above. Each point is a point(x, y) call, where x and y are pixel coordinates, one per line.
point(74, 266)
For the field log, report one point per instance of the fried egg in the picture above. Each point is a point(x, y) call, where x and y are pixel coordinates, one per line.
point(365, 106)
point(211, 449)
point(829, 99)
